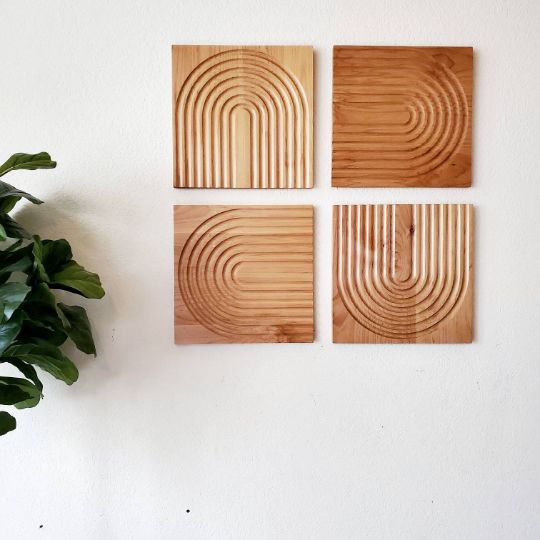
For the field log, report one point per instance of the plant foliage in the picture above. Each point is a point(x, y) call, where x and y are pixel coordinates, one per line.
point(33, 324)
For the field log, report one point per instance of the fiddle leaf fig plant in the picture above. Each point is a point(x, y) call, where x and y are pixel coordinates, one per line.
point(33, 323)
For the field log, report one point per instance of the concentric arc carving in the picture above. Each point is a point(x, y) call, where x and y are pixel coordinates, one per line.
point(245, 274)
point(243, 120)
point(403, 273)
point(402, 116)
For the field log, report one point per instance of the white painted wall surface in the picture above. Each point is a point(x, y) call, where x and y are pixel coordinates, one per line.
point(267, 441)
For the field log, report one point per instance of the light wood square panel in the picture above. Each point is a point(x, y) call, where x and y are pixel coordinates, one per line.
point(403, 273)
point(243, 116)
point(243, 274)
point(402, 116)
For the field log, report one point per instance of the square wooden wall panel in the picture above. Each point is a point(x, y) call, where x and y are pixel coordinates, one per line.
point(402, 116)
point(243, 274)
point(243, 117)
point(403, 273)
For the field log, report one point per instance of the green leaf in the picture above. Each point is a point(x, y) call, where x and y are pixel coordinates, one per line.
point(13, 195)
point(77, 326)
point(26, 369)
point(15, 390)
point(34, 393)
point(42, 319)
point(12, 228)
point(3, 233)
point(27, 161)
point(28, 393)
point(33, 330)
point(15, 245)
point(42, 296)
point(37, 252)
point(18, 260)
point(47, 357)
point(75, 278)
point(55, 254)
point(8, 203)
point(50, 256)
point(12, 295)
point(7, 423)
point(9, 330)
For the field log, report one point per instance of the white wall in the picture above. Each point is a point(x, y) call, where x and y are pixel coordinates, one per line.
point(267, 441)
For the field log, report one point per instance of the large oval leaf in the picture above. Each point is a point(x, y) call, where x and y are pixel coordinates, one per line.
point(26, 369)
point(42, 320)
point(14, 390)
point(74, 278)
point(12, 295)
point(77, 326)
point(55, 254)
point(9, 195)
point(47, 357)
point(18, 260)
point(27, 161)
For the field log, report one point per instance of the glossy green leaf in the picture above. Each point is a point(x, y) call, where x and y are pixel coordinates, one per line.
point(33, 330)
point(12, 295)
point(77, 326)
point(12, 228)
point(7, 423)
point(27, 161)
point(9, 330)
point(11, 386)
point(42, 320)
point(74, 278)
point(26, 369)
point(3, 233)
point(55, 254)
point(48, 358)
point(42, 296)
point(37, 252)
point(18, 260)
point(8, 203)
point(15, 390)
point(13, 195)
point(33, 393)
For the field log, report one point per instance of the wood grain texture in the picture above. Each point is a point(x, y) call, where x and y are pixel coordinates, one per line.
point(403, 273)
point(243, 274)
point(243, 117)
point(402, 116)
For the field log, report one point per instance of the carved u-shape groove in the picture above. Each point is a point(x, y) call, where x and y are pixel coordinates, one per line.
point(439, 260)
point(279, 131)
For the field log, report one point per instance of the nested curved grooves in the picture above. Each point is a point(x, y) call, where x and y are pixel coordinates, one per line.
point(213, 95)
point(388, 85)
point(244, 272)
point(431, 290)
